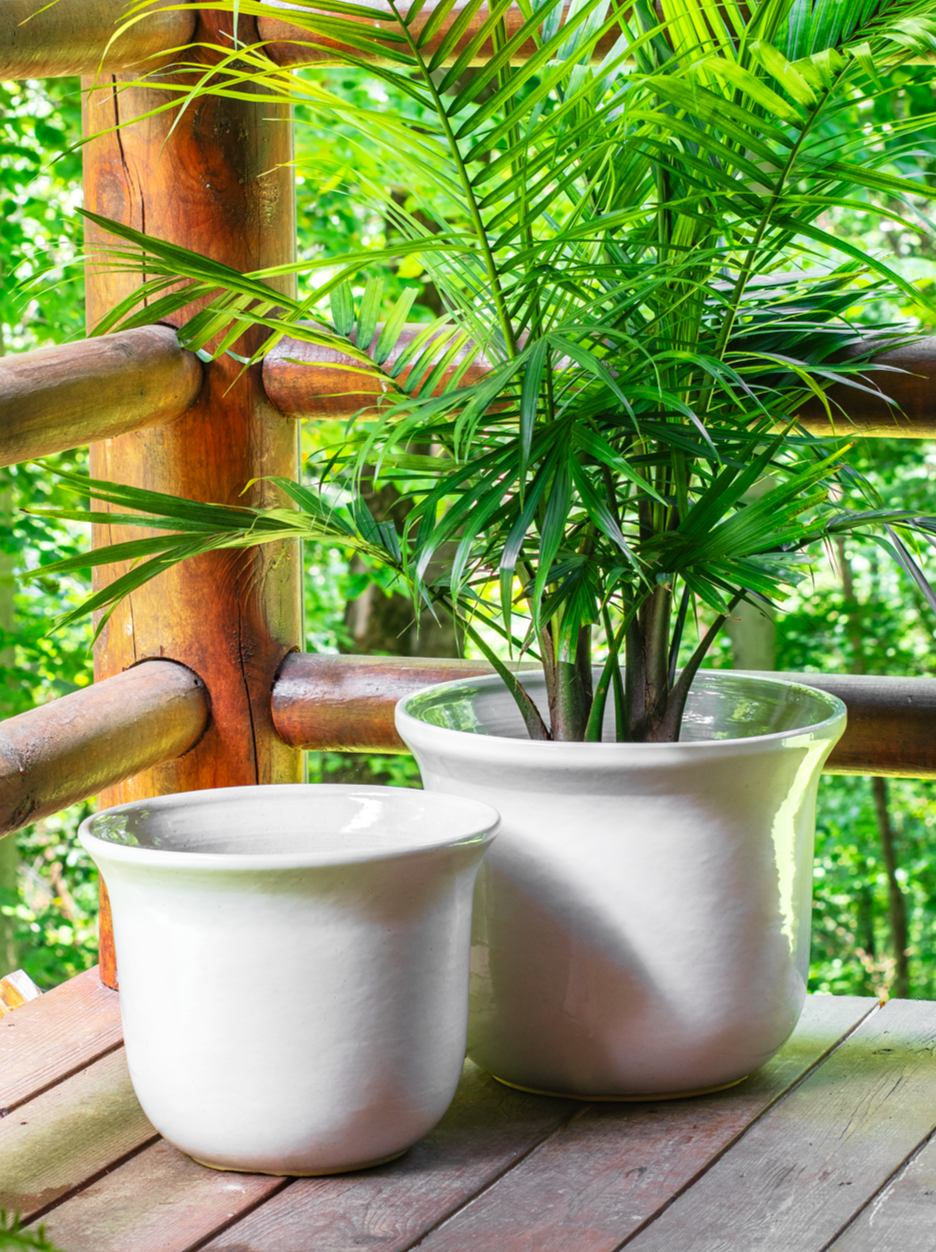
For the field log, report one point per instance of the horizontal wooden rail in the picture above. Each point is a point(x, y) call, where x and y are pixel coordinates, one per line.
point(345, 704)
point(912, 415)
point(290, 45)
point(48, 40)
point(891, 723)
point(305, 380)
point(42, 40)
point(76, 393)
point(74, 747)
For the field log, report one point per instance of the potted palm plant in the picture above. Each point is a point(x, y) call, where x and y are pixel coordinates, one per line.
point(630, 232)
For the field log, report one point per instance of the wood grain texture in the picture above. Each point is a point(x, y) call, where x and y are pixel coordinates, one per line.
point(346, 703)
point(912, 389)
point(305, 380)
point(891, 723)
point(217, 187)
point(291, 46)
point(64, 1137)
point(107, 952)
point(609, 1171)
point(902, 1217)
point(511, 1171)
point(40, 40)
point(795, 1180)
point(220, 183)
point(50, 1038)
point(68, 396)
point(487, 1129)
point(74, 747)
point(158, 1201)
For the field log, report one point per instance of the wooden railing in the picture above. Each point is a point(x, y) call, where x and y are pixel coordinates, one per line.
point(158, 711)
point(94, 389)
point(65, 397)
point(306, 380)
point(71, 37)
point(225, 696)
point(71, 748)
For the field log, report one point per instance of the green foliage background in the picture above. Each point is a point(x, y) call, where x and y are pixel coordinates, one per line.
point(54, 909)
point(55, 905)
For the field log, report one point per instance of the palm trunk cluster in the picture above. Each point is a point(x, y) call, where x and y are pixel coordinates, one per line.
point(654, 695)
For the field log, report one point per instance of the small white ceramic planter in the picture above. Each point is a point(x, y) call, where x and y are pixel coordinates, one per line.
point(642, 924)
point(293, 966)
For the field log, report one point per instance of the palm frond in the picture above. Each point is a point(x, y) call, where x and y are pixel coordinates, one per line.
point(630, 230)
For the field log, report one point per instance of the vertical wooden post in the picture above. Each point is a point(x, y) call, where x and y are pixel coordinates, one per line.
point(221, 184)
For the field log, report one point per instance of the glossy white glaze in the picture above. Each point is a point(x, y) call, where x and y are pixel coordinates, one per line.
point(293, 966)
point(642, 923)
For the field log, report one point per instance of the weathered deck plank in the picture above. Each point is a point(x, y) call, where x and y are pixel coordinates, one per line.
point(158, 1201)
point(487, 1130)
point(56, 1035)
point(797, 1178)
point(64, 1137)
point(608, 1172)
point(780, 1164)
point(902, 1217)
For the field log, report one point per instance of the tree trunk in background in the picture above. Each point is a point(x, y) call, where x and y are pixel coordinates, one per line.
point(753, 630)
point(866, 921)
point(377, 622)
point(381, 622)
point(753, 635)
point(9, 875)
point(9, 852)
point(896, 904)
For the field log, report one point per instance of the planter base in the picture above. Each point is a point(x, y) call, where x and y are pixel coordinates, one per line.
point(645, 1097)
point(309, 1173)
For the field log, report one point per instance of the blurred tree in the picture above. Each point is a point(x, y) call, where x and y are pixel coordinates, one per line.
point(752, 630)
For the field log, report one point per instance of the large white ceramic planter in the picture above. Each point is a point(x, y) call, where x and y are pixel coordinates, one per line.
point(642, 924)
point(293, 966)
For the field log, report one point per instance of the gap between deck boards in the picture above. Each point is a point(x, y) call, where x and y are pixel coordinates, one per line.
point(855, 1121)
point(632, 1156)
point(821, 1060)
point(49, 1040)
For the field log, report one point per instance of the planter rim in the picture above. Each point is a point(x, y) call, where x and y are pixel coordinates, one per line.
point(751, 743)
point(466, 823)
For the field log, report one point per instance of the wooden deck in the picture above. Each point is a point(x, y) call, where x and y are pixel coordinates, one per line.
point(826, 1149)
